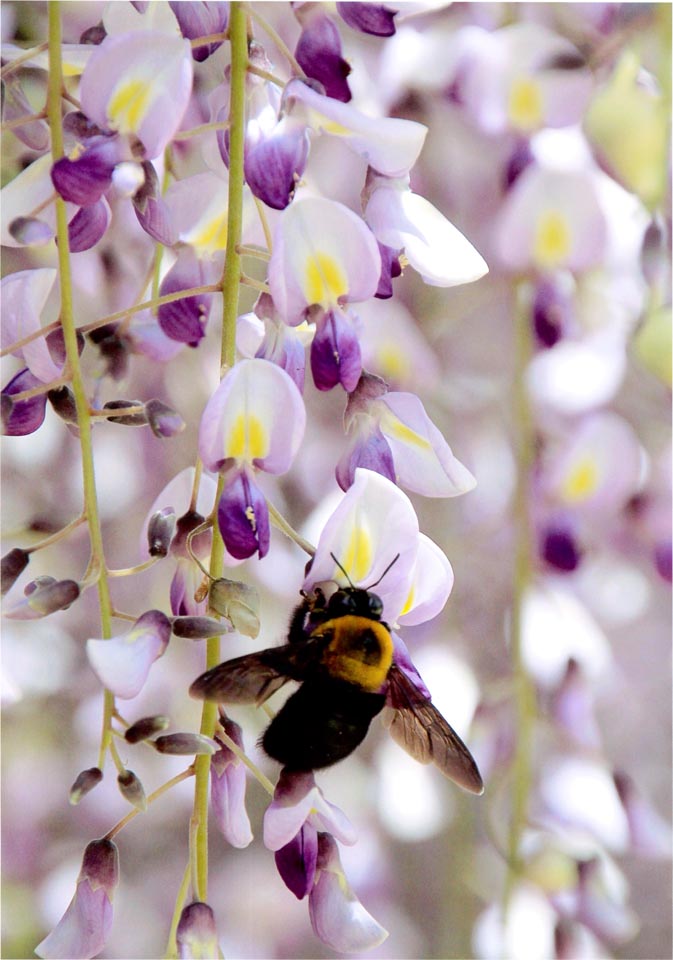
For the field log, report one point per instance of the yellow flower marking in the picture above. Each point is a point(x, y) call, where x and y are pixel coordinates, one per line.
point(357, 560)
point(409, 602)
point(393, 361)
point(581, 482)
point(552, 239)
point(525, 104)
point(247, 439)
point(128, 105)
point(394, 427)
point(324, 280)
point(211, 235)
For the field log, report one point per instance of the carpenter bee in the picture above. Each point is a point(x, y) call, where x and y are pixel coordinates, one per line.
point(340, 651)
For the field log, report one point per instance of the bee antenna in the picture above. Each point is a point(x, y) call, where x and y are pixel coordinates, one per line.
point(343, 570)
point(391, 564)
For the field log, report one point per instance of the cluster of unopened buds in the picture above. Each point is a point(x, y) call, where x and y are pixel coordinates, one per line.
point(172, 152)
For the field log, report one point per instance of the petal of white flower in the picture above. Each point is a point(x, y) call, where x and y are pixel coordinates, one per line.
point(575, 376)
point(28, 190)
point(24, 295)
point(527, 933)
point(432, 582)
point(123, 663)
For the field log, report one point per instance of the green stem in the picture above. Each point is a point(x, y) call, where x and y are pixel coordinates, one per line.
point(524, 692)
point(55, 82)
point(231, 279)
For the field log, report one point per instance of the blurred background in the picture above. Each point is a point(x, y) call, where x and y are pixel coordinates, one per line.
point(429, 861)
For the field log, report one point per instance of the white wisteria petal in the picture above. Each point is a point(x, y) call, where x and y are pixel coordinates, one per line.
point(324, 254)
point(30, 189)
point(442, 255)
point(374, 522)
point(389, 144)
point(431, 584)
point(24, 295)
point(256, 416)
point(122, 663)
point(576, 376)
point(75, 57)
point(198, 206)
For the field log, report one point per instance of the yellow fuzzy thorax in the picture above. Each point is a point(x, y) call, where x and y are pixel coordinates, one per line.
point(359, 652)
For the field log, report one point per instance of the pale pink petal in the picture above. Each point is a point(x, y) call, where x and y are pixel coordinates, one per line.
point(122, 663)
point(24, 295)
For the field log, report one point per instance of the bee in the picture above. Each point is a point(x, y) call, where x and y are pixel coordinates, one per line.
point(340, 651)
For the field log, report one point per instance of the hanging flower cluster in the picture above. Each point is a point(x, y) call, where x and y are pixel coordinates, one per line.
point(225, 222)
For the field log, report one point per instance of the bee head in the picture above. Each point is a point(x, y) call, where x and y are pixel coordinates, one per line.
point(356, 602)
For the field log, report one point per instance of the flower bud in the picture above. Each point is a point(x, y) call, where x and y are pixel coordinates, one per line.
point(198, 628)
point(185, 744)
point(145, 728)
point(62, 400)
point(13, 565)
point(84, 783)
point(163, 420)
point(129, 420)
point(30, 231)
point(132, 789)
point(43, 596)
point(160, 531)
point(238, 602)
point(196, 935)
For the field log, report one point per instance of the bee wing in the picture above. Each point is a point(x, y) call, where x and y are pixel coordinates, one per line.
point(248, 679)
point(418, 726)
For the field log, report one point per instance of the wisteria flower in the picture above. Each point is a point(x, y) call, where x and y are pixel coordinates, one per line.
point(122, 663)
point(85, 926)
point(196, 934)
point(24, 295)
point(227, 789)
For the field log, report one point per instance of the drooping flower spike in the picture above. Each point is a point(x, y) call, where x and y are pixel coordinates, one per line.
point(254, 421)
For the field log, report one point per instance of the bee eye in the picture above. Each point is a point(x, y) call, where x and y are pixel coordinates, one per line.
point(375, 606)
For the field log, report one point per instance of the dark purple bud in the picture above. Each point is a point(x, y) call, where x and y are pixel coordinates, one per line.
point(198, 19)
point(44, 596)
point(163, 420)
point(318, 53)
point(655, 256)
point(85, 180)
point(335, 353)
point(370, 451)
point(185, 319)
point(152, 213)
point(78, 127)
point(100, 865)
point(39, 583)
point(160, 531)
point(390, 269)
point(369, 387)
point(196, 935)
point(84, 783)
point(56, 344)
point(199, 628)
point(551, 313)
point(238, 602)
point(519, 159)
point(145, 728)
point(30, 231)
point(88, 226)
point(94, 35)
point(374, 18)
point(185, 744)
point(62, 400)
point(22, 417)
point(274, 165)
point(138, 419)
point(186, 524)
point(15, 106)
point(13, 565)
point(243, 517)
point(132, 789)
point(560, 550)
point(296, 861)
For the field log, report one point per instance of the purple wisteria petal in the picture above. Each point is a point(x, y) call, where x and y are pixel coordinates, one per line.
point(602, 903)
point(337, 916)
point(559, 548)
point(551, 312)
point(403, 660)
point(275, 163)
point(368, 449)
point(296, 861)
point(389, 144)
point(88, 226)
point(201, 19)
point(43, 597)
point(256, 417)
point(85, 179)
point(433, 246)
point(196, 934)
point(177, 495)
point(139, 83)
point(374, 18)
point(243, 517)
point(318, 53)
point(283, 346)
point(15, 106)
point(185, 584)
point(296, 799)
point(423, 459)
point(82, 931)
point(323, 254)
point(650, 835)
point(335, 352)
point(373, 523)
point(24, 295)
point(390, 269)
point(151, 210)
point(573, 707)
point(148, 339)
point(23, 416)
point(29, 231)
point(227, 791)
point(185, 319)
point(122, 663)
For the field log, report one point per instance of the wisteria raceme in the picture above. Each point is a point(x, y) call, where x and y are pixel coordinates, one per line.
point(336, 388)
